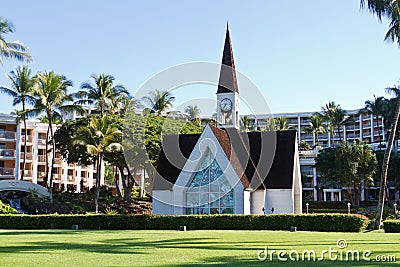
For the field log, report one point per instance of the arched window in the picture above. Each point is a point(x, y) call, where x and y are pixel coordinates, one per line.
point(209, 191)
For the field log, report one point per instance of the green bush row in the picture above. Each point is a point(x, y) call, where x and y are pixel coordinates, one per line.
point(391, 226)
point(330, 210)
point(303, 222)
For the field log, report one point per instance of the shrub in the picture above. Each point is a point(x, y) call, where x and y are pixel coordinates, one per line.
point(391, 226)
point(7, 209)
point(303, 222)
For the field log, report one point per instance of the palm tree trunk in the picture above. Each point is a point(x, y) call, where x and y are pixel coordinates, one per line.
point(116, 179)
point(97, 189)
point(47, 158)
point(339, 132)
point(379, 131)
point(385, 166)
point(25, 132)
point(49, 116)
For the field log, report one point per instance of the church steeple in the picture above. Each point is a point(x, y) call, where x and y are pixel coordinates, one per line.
point(227, 76)
point(228, 93)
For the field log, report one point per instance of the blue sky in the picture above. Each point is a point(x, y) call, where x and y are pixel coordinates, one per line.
point(301, 54)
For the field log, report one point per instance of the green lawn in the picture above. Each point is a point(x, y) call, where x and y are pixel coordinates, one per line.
point(167, 248)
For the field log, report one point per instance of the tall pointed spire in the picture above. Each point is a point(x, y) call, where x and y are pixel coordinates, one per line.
point(227, 76)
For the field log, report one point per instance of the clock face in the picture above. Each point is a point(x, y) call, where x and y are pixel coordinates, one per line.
point(226, 104)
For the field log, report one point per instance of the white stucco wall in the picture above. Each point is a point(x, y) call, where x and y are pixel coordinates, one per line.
point(246, 202)
point(279, 199)
point(257, 202)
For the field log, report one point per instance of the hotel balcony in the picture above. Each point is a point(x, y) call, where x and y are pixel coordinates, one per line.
point(29, 138)
point(41, 142)
point(27, 173)
point(29, 156)
point(41, 175)
point(56, 177)
point(7, 136)
point(41, 158)
point(7, 172)
point(7, 154)
point(58, 161)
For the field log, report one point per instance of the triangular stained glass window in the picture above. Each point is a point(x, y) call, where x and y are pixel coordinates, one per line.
point(209, 191)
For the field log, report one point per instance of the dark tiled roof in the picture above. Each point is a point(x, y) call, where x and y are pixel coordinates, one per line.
point(227, 77)
point(175, 150)
point(256, 167)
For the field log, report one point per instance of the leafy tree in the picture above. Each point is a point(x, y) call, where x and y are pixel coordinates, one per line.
point(15, 49)
point(21, 91)
point(52, 99)
point(99, 137)
point(159, 101)
point(102, 92)
point(348, 165)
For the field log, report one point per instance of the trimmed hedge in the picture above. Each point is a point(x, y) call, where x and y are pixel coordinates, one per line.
point(391, 226)
point(303, 222)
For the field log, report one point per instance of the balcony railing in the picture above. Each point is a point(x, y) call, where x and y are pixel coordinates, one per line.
point(27, 173)
point(7, 153)
point(7, 135)
point(307, 136)
point(7, 171)
point(41, 141)
point(29, 156)
point(29, 138)
point(58, 161)
point(41, 158)
point(41, 174)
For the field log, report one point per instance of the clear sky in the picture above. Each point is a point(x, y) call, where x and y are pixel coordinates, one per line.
point(301, 54)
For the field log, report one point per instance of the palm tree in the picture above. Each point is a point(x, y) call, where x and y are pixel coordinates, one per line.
point(246, 124)
point(388, 9)
point(282, 123)
point(329, 114)
point(316, 126)
point(21, 90)
point(50, 90)
point(159, 101)
point(102, 92)
point(386, 158)
point(99, 136)
point(341, 118)
point(15, 49)
point(193, 112)
point(376, 107)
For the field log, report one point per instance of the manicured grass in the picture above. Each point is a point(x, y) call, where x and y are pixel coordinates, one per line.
point(174, 248)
